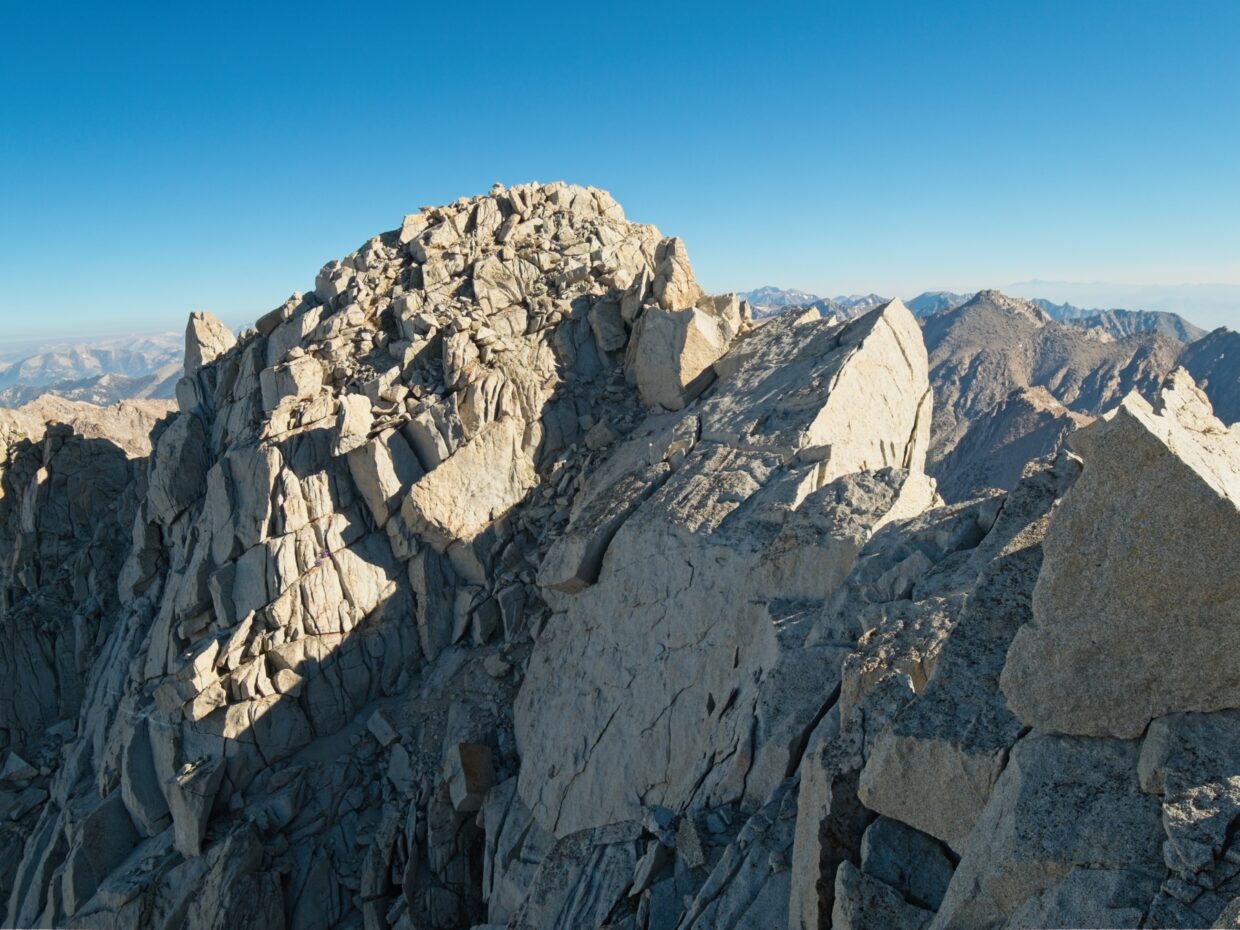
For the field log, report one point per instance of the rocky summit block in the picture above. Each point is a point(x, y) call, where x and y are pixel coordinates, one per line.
point(327, 592)
point(1135, 610)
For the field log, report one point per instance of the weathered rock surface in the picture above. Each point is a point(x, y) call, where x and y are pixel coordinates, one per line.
point(709, 585)
point(1061, 802)
point(206, 339)
point(1131, 608)
point(302, 686)
point(935, 766)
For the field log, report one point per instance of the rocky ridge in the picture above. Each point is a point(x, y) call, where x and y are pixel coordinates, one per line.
point(507, 579)
point(993, 345)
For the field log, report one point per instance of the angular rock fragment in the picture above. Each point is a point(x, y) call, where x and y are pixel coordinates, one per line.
point(353, 424)
point(582, 877)
point(672, 354)
point(17, 769)
point(863, 902)
point(1138, 623)
point(469, 775)
point(299, 378)
point(1061, 801)
point(206, 339)
point(107, 837)
point(479, 483)
point(907, 860)
point(383, 469)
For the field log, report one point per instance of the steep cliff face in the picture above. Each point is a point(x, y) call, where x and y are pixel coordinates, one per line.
point(507, 579)
point(70, 481)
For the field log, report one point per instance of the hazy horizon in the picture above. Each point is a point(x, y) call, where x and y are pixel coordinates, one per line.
point(172, 161)
point(1196, 303)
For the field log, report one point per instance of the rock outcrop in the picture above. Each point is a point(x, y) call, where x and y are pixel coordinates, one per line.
point(507, 579)
point(955, 727)
point(330, 594)
point(1133, 618)
point(697, 592)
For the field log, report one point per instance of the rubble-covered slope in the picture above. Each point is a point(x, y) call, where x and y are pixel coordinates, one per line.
point(509, 580)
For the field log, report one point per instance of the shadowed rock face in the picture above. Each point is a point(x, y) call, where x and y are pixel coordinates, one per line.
point(993, 452)
point(1214, 362)
point(507, 579)
point(67, 502)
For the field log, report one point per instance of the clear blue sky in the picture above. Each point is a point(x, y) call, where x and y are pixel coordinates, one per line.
point(156, 159)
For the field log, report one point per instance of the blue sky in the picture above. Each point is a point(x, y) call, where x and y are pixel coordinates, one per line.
point(176, 157)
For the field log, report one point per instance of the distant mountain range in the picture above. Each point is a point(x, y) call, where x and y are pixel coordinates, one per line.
point(1013, 378)
point(770, 301)
point(103, 372)
point(1120, 323)
point(1117, 323)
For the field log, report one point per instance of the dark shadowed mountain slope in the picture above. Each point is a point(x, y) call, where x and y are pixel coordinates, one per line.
point(1214, 361)
point(985, 349)
point(999, 443)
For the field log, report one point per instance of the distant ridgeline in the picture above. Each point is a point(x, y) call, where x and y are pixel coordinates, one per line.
point(100, 373)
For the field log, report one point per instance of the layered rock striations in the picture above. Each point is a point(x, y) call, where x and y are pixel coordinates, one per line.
point(507, 579)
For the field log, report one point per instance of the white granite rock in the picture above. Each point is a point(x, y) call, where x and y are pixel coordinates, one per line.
point(1132, 616)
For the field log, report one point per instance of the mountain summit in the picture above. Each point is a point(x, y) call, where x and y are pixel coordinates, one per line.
point(508, 579)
